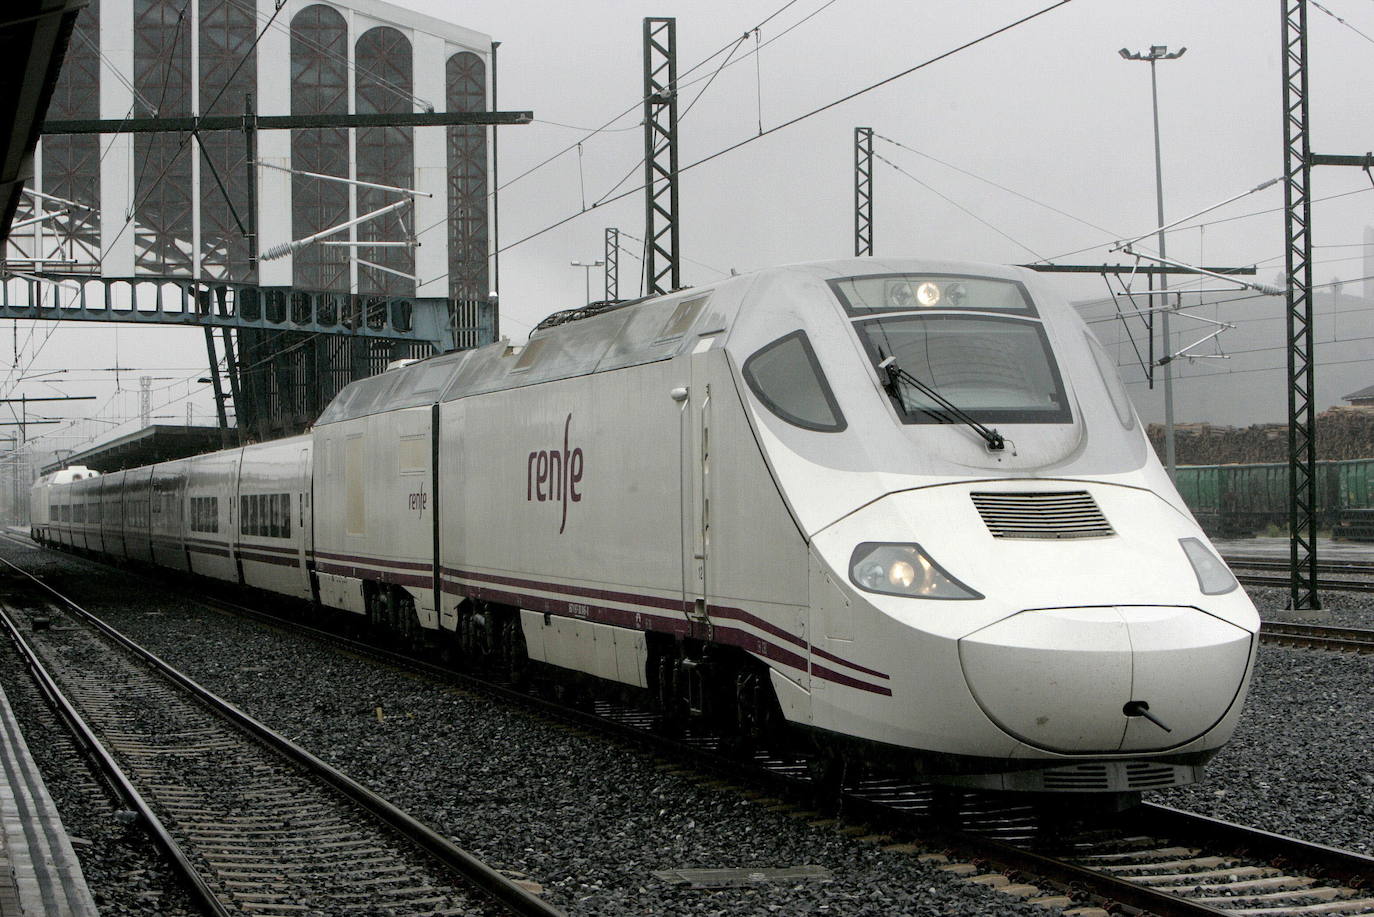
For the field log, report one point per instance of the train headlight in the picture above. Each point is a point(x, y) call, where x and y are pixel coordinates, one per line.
point(903, 569)
point(1212, 576)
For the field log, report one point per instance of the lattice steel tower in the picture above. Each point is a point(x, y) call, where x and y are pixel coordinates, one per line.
point(662, 273)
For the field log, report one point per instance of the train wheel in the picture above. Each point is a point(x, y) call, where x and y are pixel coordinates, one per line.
point(407, 620)
point(512, 657)
point(756, 707)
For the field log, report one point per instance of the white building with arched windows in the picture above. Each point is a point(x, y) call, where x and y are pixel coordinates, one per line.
point(177, 204)
point(136, 207)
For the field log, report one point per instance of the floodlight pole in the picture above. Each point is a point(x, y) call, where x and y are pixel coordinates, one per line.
point(587, 275)
point(1158, 53)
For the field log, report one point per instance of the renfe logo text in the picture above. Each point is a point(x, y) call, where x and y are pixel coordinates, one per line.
point(554, 475)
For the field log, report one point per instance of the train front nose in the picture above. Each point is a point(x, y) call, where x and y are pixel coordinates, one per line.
point(1106, 679)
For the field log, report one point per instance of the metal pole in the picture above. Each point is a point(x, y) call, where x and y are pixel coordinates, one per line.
point(612, 259)
point(219, 389)
point(1302, 421)
point(495, 298)
point(1170, 458)
point(250, 140)
point(863, 191)
point(661, 262)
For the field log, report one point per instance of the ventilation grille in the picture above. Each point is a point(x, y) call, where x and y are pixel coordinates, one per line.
point(1115, 776)
point(1143, 776)
point(1072, 514)
point(1080, 777)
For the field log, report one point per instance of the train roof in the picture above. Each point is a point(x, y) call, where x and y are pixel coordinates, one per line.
point(578, 342)
point(638, 332)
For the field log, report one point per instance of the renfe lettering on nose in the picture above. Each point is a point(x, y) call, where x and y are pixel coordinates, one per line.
point(553, 475)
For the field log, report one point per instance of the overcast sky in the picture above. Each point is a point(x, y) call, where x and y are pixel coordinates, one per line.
point(1048, 109)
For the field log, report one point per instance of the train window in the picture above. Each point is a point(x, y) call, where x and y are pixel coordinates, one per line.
point(787, 378)
point(205, 514)
point(682, 318)
point(431, 378)
point(998, 370)
point(528, 356)
point(921, 292)
point(265, 515)
point(1107, 367)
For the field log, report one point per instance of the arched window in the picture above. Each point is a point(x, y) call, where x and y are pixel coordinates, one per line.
point(71, 163)
point(228, 73)
point(466, 77)
point(319, 85)
point(386, 155)
point(162, 162)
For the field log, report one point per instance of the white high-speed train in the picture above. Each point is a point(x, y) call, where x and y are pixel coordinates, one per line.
point(902, 505)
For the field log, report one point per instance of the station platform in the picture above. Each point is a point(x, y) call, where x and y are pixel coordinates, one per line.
point(1328, 550)
point(39, 873)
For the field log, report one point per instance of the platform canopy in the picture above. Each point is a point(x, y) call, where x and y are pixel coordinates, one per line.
point(33, 41)
point(157, 443)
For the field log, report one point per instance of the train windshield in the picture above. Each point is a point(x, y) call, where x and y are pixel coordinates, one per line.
point(873, 293)
point(996, 369)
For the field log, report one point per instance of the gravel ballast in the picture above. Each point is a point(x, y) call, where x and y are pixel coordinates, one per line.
point(591, 820)
point(124, 870)
point(1302, 761)
point(588, 819)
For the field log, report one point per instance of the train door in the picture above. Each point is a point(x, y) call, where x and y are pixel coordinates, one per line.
point(696, 491)
point(305, 543)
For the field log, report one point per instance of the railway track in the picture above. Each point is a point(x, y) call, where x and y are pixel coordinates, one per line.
point(1352, 567)
point(255, 824)
point(1267, 571)
point(1318, 636)
point(1282, 582)
point(1151, 860)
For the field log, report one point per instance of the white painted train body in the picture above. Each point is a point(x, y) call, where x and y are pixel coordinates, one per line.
point(903, 505)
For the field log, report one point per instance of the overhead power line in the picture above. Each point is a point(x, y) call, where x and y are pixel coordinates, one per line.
point(683, 83)
point(798, 119)
point(949, 200)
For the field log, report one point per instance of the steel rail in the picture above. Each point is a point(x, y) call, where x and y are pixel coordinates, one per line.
point(1345, 866)
point(1318, 636)
point(109, 768)
point(1247, 562)
point(1353, 869)
point(484, 877)
point(1070, 878)
point(1338, 585)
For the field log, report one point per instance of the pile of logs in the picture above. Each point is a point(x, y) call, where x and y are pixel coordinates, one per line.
point(1342, 433)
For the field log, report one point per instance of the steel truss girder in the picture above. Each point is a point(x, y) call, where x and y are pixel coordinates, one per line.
point(152, 300)
point(661, 259)
point(1302, 428)
point(863, 191)
point(612, 259)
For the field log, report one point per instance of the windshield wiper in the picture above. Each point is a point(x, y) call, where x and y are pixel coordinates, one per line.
point(895, 374)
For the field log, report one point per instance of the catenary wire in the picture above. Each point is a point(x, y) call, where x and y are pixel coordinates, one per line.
point(606, 126)
point(1341, 21)
point(959, 206)
point(799, 118)
point(988, 181)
